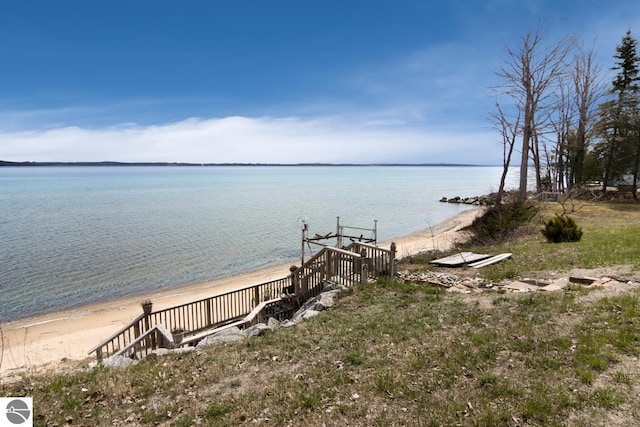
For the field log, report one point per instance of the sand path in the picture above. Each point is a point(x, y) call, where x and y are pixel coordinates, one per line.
point(45, 341)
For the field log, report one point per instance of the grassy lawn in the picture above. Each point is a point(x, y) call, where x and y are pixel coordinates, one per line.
point(611, 239)
point(395, 353)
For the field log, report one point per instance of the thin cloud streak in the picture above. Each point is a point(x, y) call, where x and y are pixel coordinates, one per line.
point(253, 140)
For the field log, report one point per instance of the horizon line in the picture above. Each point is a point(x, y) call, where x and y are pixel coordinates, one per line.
point(113, 163)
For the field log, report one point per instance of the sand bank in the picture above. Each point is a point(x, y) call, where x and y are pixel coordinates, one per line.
point(46, 341)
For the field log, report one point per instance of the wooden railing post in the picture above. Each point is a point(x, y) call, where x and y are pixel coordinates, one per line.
point(364, 273)
point(293, 279)
point(392, 260)
point(256, 296)
point(363, 261)
point(147, 307)
point(209, 312)
point(327, 266)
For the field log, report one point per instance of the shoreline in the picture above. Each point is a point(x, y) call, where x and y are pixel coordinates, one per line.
point(48, 340)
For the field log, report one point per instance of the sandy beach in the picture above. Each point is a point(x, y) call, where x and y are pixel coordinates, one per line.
point(51, 340)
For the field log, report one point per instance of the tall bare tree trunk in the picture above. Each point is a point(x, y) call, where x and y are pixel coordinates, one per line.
point(529, 75)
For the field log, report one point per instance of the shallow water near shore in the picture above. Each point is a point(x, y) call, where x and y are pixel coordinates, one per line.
point(80, 235)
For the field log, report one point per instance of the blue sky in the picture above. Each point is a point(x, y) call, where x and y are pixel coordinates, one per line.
point(284, 81)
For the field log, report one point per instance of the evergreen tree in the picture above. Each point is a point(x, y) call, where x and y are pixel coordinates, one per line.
point(619, 116)
point(627, 78)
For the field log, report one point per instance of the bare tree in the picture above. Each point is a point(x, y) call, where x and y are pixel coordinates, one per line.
point(588, 88)
point(561, 119)
point(509, 127)
point(529, 74)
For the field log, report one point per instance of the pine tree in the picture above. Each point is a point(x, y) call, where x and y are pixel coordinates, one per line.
point(627, 78)
point(621, 138)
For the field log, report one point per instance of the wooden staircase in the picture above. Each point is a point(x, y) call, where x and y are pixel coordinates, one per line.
point(250, 305)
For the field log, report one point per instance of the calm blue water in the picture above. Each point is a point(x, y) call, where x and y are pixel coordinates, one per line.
point(78, 235)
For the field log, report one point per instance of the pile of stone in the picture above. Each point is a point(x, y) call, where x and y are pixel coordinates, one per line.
point(451, 282)
point(455, 283)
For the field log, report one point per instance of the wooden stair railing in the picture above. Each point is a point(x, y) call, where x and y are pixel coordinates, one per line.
point(355, 264)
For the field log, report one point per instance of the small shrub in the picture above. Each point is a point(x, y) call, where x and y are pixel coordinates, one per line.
point(561, 228)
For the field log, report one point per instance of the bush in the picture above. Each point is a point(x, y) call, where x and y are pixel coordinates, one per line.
point(500, 221)
point(561, 229)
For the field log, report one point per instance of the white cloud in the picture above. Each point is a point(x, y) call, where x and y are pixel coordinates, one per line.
point(253, 140)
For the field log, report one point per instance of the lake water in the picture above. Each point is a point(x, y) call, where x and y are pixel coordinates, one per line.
point(78, 235)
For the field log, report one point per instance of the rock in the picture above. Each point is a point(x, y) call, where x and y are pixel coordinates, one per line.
point(256, 330)
point(309, 313)
point(159, 352)
point(288, 323)
point(226, 335)
point(325, 300)
point(273, 323)
point(118, 362)
point(334, 287)
point(316, 304)
point(183, 350)
point(445, 280)
point(459, 289)
point(163, 351)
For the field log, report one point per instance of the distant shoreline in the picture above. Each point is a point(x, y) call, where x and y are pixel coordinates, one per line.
point(109, 163)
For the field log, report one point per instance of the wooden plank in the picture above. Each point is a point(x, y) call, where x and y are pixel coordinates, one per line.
point(459, 259)
point(489, 261)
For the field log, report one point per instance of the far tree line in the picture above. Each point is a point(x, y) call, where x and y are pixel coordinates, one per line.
point(554, 106)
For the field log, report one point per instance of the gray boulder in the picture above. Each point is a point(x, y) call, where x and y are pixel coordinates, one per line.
point(256, 330)
point(225, 335)
point(315, 305)
point(334, 287)
point(183, 350)
point(158, 352)
point(289, 323)
point(118, 362)
point(273, 323)
point(309, 314)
